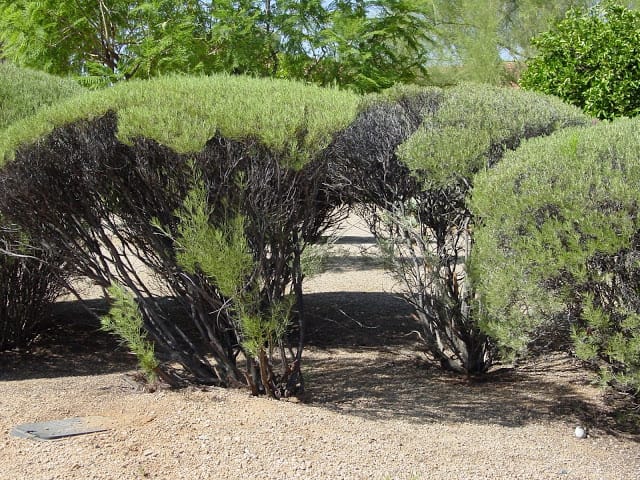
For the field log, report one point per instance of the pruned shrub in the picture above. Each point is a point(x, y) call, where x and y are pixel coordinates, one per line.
point(30, 279)
point(183, 175)
point(24, 91)
point(419, 212)
point(558, 244)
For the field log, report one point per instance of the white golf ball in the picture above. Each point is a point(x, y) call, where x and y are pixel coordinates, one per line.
point(580, 432)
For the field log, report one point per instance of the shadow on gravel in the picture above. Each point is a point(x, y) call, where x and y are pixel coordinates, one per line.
point(392, 385)
point(351, 263)
point(355, 240)
point(363, 360)
point(71, 345)
point(366, 319)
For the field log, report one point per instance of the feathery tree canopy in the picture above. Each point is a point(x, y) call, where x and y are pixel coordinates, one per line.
point(364, 45)
point(475, 36)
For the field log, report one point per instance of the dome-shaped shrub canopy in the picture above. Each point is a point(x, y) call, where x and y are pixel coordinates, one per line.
point(559, 238)
point(24, 91)
point(184, 113)
point(173, 173)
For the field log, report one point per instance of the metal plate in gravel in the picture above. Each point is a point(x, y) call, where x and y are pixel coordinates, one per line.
point(67, 427)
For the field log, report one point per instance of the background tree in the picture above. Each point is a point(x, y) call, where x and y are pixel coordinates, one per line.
point(363, 45)
point(522, 20)
point(591, 59)
point(477, 37)
point(371, 45)
point(102, 42)
point(469, 42)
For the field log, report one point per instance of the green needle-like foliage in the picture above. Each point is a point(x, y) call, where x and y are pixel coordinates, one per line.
point(473, 127)
point(125, 321)
point(558, 242)
point(23, 92)
point(183, 113)
point(221, 253)
point(426, 228)
point(265, 330)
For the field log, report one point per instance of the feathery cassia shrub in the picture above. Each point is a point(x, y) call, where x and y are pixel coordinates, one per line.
point(422, 148)
point(24, 91)
point(559, 243)
point(30, 279)
point(187, 176)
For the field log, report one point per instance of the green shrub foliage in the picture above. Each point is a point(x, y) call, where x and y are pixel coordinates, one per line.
point(591, 59)
point(23, 92)
point(124, 320)
point(475, 125)
point(558, 241)
point(417, 187)
point(183, 113)
point(222, 254)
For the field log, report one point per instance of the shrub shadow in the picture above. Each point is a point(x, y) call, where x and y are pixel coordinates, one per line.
point(355, 240)
point(365, 319)
point(379, 373)
point(393, 385)
point(72, 344)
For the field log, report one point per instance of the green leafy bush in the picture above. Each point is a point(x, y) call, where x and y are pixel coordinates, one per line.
point(220, 250)
point(558, 242)
point(221, 253)
point(592, 60)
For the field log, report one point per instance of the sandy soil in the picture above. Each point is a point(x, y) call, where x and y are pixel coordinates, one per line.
point(376, 408)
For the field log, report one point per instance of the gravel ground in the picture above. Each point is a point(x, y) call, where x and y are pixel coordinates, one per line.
point(375, 410)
